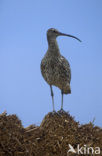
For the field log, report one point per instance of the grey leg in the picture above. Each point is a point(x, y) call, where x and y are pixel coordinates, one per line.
point(52, 98)
point(62, 100)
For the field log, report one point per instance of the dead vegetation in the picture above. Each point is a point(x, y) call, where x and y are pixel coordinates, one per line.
point(51, 138)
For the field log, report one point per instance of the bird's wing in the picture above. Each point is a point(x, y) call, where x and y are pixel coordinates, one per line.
point(65, 66)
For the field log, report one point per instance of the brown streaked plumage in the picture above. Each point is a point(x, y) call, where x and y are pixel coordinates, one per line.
point(54, 67)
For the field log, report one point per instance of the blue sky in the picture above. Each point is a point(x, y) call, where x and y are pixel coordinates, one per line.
point(23, 26)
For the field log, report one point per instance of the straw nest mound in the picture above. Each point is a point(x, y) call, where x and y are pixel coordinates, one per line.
point(51, 138)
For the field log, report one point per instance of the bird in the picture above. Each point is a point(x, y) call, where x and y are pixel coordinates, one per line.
point(55, 68)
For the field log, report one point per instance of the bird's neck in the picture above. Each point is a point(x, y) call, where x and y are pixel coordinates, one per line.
point(53, 46)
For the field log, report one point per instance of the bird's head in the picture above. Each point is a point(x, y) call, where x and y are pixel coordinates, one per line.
point(53, 33)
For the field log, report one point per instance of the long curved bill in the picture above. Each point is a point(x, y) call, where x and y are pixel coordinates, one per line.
point(62, 34)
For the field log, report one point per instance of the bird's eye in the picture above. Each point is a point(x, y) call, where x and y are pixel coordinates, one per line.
point(54, 30)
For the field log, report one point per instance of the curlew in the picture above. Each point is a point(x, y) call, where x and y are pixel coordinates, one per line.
point(55, 68)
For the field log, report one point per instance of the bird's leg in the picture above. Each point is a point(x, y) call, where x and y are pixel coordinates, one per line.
point(62, 100)
point(52, 98)
point(61, 110)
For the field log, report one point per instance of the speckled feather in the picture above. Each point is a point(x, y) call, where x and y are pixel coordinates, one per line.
point(55, 68)
point(56, 71)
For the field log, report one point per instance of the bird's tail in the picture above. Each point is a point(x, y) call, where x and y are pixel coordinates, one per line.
point(67, 89)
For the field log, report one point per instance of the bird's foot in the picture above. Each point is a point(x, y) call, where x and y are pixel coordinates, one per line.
point(53, 112)
point(61, 111)
point(57, 113)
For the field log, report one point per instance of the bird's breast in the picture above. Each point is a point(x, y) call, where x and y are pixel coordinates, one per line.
point(56, 71)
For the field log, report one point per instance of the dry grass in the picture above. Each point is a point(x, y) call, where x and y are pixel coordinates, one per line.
point(51, 138)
